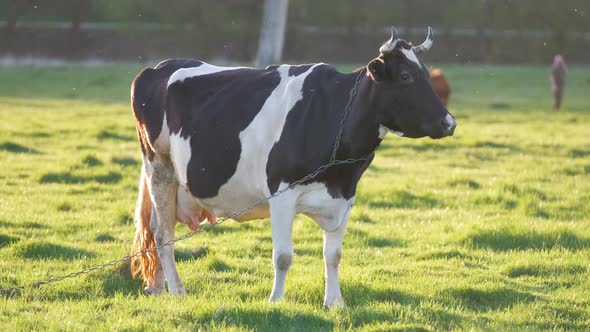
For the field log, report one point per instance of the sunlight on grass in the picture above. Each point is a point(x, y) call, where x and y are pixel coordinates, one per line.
point(489, 229)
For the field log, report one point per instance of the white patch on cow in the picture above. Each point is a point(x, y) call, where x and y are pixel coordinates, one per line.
point(410, 55)
point(398, 133)
point(382, 131)
point(315, 202)
point(162, 143)
point(204, 69)
point(180, 148)
point(249, 183)
point(180, 153)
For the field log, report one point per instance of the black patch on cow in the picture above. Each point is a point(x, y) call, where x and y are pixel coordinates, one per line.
point(148, 98)
point(298, 70)
point(309, 134)
point(212, 110)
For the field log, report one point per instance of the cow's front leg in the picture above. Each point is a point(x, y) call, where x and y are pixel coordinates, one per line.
point(332, 255)
point(282, 213)
point(163, 187)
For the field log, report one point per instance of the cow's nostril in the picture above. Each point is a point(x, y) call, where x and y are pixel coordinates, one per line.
point(448, 124)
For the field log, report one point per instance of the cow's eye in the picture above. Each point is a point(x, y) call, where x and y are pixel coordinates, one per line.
point(405, 76)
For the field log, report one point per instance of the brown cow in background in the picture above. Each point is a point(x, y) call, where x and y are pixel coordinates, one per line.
point(558, 77)
point(441, 85)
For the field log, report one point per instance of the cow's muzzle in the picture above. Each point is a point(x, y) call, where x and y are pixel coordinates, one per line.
point(447, 127)
point(448, 123)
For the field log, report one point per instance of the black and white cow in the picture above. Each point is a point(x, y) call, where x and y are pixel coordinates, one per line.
point(217, 139)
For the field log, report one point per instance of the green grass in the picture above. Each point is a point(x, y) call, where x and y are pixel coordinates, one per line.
point(489, 229)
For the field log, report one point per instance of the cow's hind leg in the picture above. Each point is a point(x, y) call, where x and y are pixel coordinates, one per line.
point(156, 285)
point(282, 213)
point(147, 265)
point(162, 187)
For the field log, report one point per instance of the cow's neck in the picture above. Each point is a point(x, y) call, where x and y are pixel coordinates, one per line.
point(360, 134)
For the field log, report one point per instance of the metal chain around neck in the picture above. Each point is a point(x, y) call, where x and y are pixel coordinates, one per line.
point(12, 291)
point(351, 98)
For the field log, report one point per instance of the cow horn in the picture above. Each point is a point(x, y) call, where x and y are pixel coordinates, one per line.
point(390, 44)
point(425, 46)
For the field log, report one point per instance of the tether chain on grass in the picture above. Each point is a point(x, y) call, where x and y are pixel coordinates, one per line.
point(11, 291)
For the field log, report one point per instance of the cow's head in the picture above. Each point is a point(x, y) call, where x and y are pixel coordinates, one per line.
point(402, 93)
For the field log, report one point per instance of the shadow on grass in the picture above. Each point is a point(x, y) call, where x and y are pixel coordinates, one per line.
point(125, 161)
point(447, 254)
point(579, 153)
point(505, 239)
point(271, 319)
point(124, 217)
point(69, 178)
point(464, 183)
point(16, 148)
point(108, 134)
point(104, 238)
point(33, 225)
point(186, 255)
point(500, 106)
point(6, 240)
point(361, 238)
point(363, 217)
point(44, 250)
point(367, 318)
point(495, 145)
point(119, 280)
point(425, 147)
point(403, 200)
point(484, 299)
point(542, 270)
point(215, 264)
point(357, 294)
point(91, 161)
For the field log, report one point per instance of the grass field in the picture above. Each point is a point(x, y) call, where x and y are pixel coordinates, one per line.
point(489, 229)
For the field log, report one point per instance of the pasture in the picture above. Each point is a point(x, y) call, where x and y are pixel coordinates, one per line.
point(489, 229)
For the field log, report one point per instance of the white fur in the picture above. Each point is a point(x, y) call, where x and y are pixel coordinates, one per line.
point(331, 214)
point(162, 143)
point(204, 69)
point(398, 133)
point(316, 202)
point(383, 131)
point(410, 55)
point(249, 184)
point(180, 153)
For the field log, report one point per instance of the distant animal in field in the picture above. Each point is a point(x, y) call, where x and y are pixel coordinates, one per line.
point(218, 139)
point(558, 78)
point(440, 84)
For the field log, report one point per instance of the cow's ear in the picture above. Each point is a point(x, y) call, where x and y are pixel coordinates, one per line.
point(376, 69)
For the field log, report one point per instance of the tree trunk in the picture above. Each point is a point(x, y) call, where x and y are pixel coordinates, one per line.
point(272, 32)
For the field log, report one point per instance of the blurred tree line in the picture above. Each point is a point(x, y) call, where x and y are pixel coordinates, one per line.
point(481, 30)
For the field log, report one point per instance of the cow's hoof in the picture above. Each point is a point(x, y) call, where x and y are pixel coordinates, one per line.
point(334, 304)
point(153, 291)
point(179, 292)
point(273, 298)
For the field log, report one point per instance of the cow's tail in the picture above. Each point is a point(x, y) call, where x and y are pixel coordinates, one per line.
point(144, 265)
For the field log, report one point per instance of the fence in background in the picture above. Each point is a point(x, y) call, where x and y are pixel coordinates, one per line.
point(336, 31)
